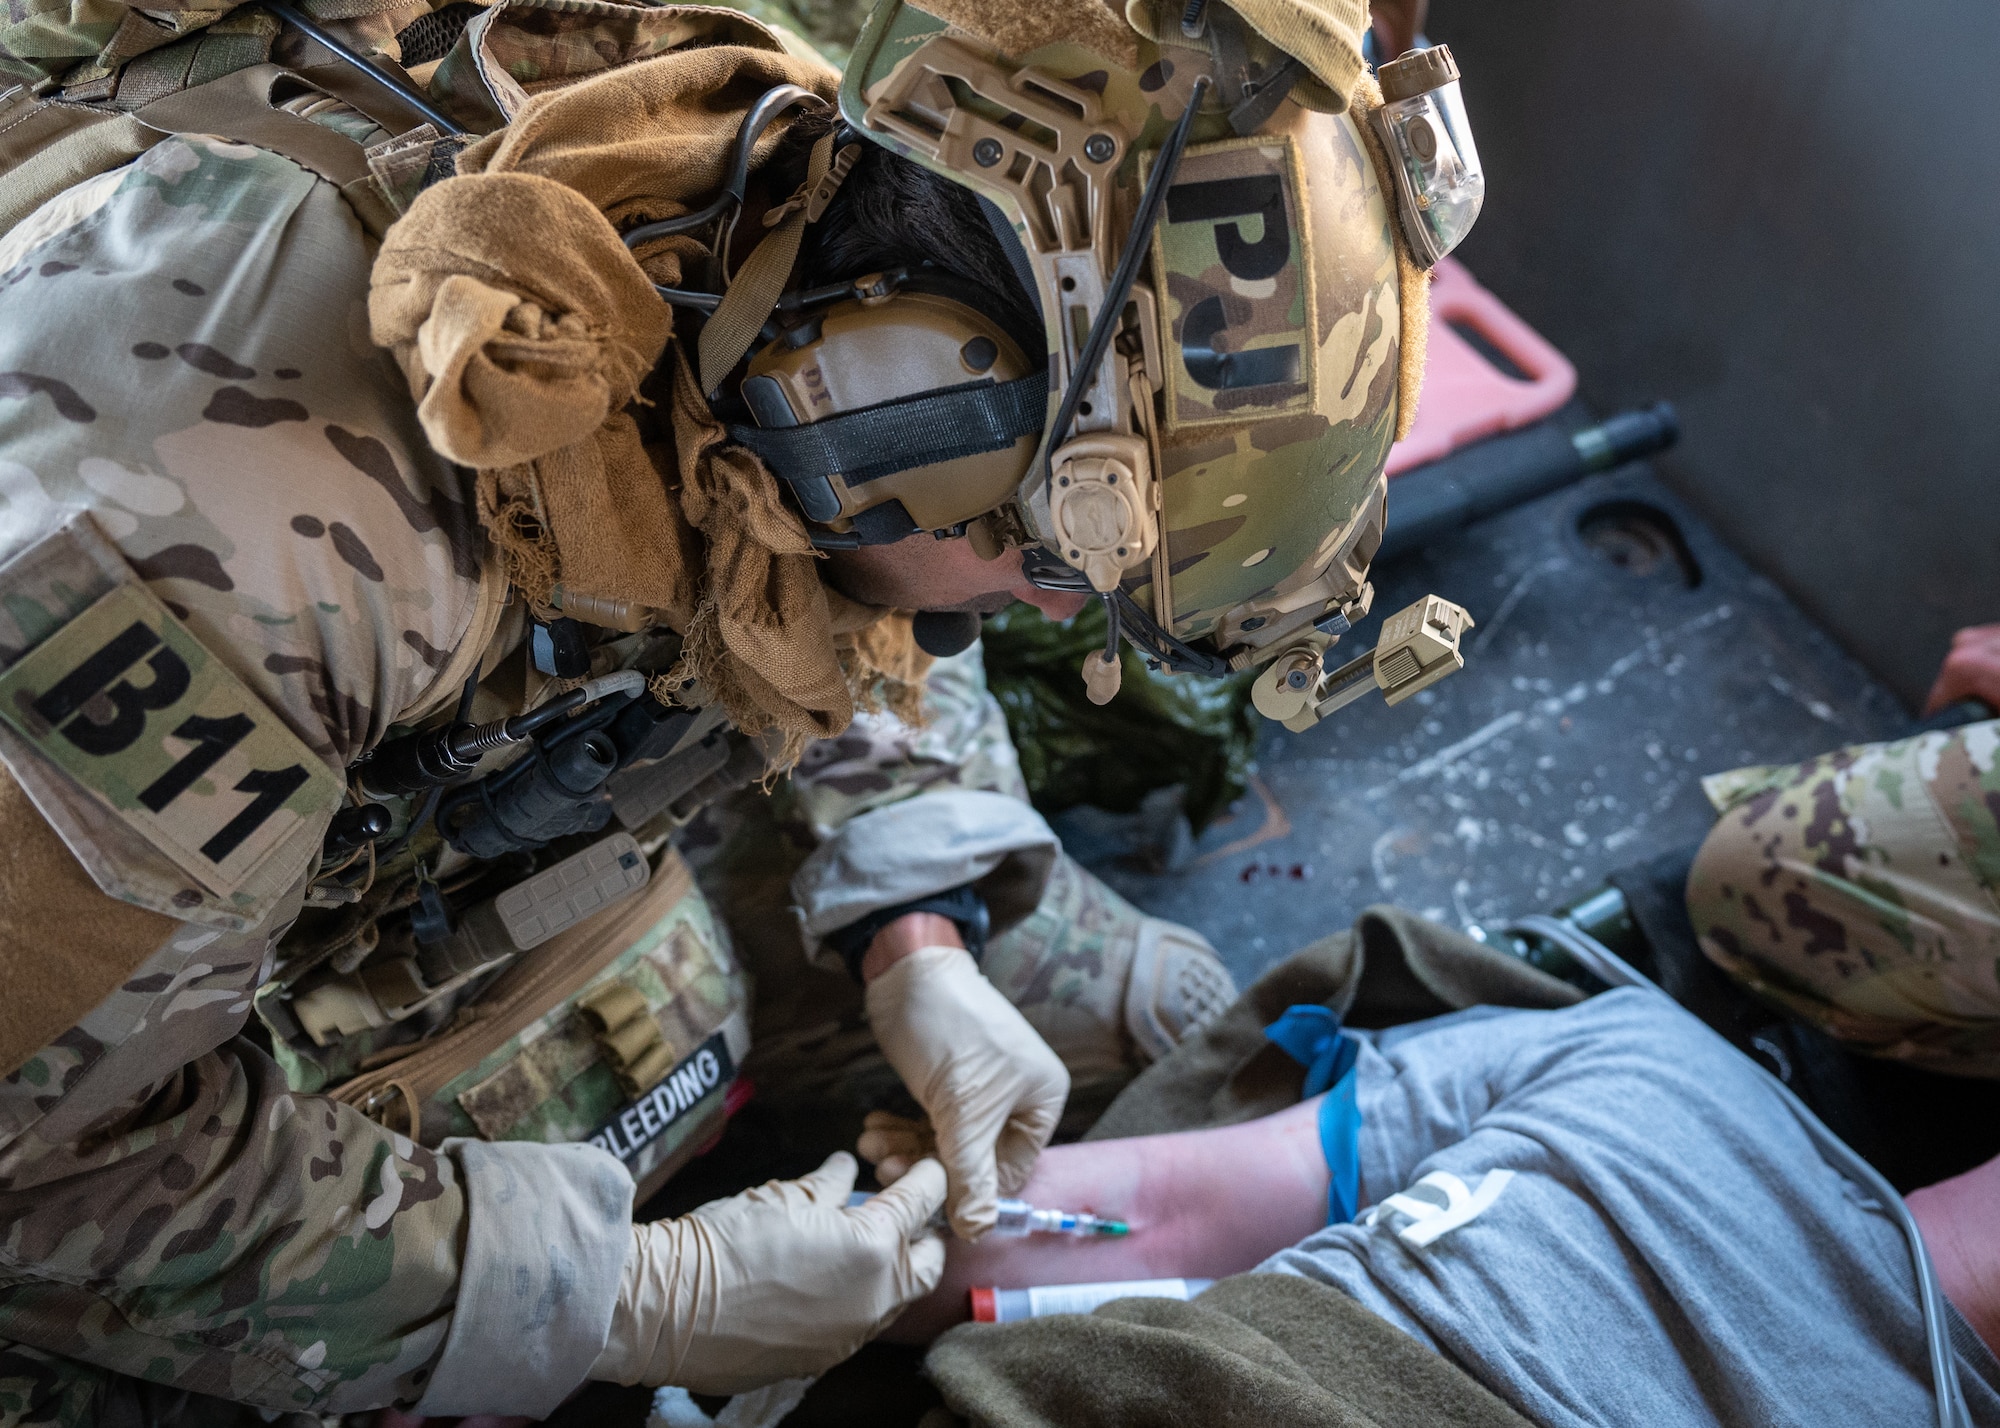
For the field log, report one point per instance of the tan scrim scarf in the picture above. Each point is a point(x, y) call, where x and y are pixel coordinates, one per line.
point(525, 329)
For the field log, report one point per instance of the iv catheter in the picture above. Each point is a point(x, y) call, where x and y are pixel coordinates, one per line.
point(1018, 1217)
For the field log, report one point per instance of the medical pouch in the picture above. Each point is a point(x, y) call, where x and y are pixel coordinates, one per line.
point(626, 1030)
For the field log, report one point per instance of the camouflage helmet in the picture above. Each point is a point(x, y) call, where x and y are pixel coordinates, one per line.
point(1206, 447)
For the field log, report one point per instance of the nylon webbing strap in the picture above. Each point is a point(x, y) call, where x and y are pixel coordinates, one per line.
point(237, 106)
point(758, 285)
point(47, 146)
point(231, 44)
point(880, 441)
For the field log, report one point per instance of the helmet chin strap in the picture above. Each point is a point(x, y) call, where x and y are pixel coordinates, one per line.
point(1154, 641)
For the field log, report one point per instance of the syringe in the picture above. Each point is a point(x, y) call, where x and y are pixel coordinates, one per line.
point(1018, 1217)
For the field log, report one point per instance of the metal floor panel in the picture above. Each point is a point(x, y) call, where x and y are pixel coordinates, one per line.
point(1595, 696)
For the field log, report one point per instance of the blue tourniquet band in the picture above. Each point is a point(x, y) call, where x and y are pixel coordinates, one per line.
point(1311, 1036)
point(1340, 1142)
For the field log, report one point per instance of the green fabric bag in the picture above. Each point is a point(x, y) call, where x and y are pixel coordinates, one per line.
point(1159, 729)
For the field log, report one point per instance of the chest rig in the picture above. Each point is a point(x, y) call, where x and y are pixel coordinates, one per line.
point(501, 940)
point(504, 941)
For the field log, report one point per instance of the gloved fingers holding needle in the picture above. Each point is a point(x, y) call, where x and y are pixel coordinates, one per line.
point(991, 1087)
point(905, 897)
point(781, 1281)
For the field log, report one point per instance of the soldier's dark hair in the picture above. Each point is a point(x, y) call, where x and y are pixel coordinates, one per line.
point(893, 213)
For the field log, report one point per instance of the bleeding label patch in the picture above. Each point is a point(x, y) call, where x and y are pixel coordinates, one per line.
point(653, 1114)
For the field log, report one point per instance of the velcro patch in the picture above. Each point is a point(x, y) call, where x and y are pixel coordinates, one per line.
point(129, 704)
point(1234, 269)
point(646, 1119)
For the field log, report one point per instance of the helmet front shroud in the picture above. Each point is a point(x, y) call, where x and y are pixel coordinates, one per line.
point(1221, 477)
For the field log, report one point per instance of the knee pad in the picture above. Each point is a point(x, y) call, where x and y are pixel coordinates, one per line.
point(1177, 986)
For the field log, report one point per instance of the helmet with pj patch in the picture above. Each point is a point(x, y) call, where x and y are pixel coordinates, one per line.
point(1206, 447)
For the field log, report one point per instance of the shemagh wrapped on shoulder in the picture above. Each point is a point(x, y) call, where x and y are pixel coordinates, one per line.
point(525, 329)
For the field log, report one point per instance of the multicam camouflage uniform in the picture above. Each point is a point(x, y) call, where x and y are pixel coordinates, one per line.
point(184, 358)
point(1107, 987)
point(1861, 890)
point(188, 361)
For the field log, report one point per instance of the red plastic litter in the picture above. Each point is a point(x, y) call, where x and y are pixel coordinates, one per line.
point(1466, 398)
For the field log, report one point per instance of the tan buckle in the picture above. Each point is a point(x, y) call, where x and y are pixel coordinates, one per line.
point(814, 198)
point(829, 185)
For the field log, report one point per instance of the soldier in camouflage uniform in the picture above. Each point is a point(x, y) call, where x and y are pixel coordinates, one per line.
point(1861, 889)
point(196, 427)
point(166, 1195)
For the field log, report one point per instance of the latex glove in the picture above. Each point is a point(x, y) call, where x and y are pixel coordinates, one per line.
point(783, 1281)
point(893, 1143)
point(992, 1088)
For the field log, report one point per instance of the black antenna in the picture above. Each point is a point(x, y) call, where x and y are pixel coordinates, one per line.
point(312, 30)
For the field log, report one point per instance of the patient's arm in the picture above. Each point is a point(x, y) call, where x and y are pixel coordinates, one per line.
point(1960, 1220)
point(1201, 1204)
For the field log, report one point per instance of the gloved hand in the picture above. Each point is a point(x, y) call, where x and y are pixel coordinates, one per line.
point(992, 1088)
point(782, 1281)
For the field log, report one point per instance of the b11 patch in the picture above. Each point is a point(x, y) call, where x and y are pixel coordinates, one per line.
point(126, 701)
point(1234, 272)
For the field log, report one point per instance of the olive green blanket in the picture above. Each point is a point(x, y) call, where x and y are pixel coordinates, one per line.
point(1256, 1351)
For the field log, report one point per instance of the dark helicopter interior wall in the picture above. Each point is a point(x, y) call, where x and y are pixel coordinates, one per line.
point(1783, 216)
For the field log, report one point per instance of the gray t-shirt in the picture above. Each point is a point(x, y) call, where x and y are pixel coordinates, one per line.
point(1669, 1250)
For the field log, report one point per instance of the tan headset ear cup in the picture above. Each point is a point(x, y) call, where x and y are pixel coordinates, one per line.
point(856, 355)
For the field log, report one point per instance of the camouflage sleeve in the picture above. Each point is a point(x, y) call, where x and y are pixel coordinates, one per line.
point(216, 1234)
point(184, 356)
point(902, 811)
point(169, 1211)
point(880, 760)
point(1861, 891)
